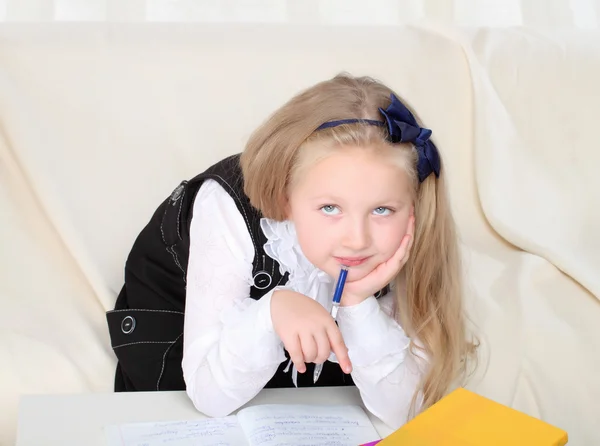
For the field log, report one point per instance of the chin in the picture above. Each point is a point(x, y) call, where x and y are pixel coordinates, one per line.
point(358, 273)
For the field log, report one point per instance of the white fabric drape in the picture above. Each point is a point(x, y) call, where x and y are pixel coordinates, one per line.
point(578, 14)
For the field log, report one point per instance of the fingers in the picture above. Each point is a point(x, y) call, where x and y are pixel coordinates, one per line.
point(294, 348)
point(401, 255)
point(411, 226)
point(338, 347)
point(309, 347)
point(323, 347)
point(411, 234)
point(402, 251)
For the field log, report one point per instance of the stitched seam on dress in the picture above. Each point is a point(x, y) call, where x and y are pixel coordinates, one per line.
point(179, 213)
point(144, 309)
point(143, 342)
point(163, 360)
point(162, 222)
point(280, 279)
point(171, 251)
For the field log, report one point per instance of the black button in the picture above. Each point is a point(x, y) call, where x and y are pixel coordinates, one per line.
point(262, 280)
point(128, 324)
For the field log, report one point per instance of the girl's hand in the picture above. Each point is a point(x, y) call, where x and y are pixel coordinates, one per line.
point(307, 330)
point(357, 291)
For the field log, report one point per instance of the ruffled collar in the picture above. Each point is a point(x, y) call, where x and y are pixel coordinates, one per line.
point(282, 246)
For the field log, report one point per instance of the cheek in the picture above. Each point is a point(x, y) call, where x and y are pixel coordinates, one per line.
point(311, 236)
point(389, 237)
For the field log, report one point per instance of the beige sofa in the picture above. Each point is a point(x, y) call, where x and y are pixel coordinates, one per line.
point(100, 122)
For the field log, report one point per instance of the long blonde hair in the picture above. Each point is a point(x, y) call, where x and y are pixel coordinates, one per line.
point(429, 302)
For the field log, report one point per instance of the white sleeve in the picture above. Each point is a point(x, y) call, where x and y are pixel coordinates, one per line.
point(230, 349)
point(383, 368)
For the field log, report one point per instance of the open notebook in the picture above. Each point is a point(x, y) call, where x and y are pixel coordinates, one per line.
point(262, 425)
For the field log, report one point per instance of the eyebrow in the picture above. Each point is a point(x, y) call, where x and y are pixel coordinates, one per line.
point(326, 198)
point(335, 199)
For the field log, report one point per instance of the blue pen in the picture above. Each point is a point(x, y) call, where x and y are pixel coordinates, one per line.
point(337, 297)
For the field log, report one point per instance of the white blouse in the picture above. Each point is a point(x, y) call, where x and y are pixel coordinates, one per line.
point(231, 350)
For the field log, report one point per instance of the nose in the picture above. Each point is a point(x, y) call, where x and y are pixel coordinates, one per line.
point(357, 234)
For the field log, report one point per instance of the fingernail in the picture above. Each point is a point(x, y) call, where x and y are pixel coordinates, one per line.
point(347, 369)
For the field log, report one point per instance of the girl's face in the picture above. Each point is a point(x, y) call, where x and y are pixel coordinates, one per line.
point(351, 208)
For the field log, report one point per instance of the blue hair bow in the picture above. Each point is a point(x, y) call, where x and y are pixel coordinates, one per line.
point(403, 127)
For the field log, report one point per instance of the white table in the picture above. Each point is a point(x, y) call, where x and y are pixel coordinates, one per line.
point(65, 420)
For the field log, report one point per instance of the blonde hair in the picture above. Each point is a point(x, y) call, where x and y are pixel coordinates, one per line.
point(429, 303)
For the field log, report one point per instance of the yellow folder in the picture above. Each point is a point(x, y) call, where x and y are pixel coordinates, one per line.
point(464, 418)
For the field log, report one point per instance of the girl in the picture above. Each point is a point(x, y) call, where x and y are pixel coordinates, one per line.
point(228, 288)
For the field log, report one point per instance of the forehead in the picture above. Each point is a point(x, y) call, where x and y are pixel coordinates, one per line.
point(355, 172)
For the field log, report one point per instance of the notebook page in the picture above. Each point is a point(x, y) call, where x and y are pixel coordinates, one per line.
point(304, 425)
point(206, 432)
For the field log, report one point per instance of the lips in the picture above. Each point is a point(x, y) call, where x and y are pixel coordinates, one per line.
point(351, 261)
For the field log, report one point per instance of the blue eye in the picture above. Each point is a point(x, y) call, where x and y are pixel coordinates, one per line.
point(382, 211)
point(329, 209)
